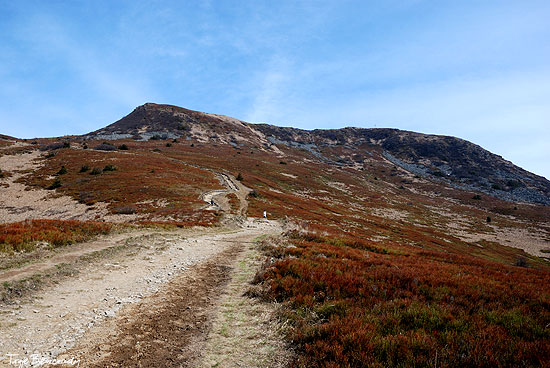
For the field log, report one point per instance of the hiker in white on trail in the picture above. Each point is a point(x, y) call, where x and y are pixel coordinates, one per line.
point(265, 215)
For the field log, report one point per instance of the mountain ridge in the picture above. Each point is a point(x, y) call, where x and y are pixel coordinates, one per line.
point(448, 159)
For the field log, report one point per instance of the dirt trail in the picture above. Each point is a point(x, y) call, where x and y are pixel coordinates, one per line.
point(152, 306)
point(217, 199)
point(70, 254)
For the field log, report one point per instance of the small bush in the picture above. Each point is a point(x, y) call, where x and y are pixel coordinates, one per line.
point(55, 146)
point(123, 147)
point(488, 219)
point(156, 150)
point(50, 155)
point(87, 198)
point(56, 184)
point(168, 144)
point(96, 171)
point(1, 174)
point(477, 197)
point(109, 168)
point(84, 168)
point(282, 162)
point(239, 177)
point(522, 262)
point(62, 171)
point(125, 210)
point(105, 147)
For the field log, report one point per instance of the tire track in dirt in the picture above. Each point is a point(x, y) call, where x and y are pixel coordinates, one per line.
point(70, 254)
point(170, 328)
point(83, 306)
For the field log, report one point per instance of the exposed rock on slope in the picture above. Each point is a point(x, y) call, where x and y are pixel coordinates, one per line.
point(453, 160)
point(449, 159)
point(152, 121)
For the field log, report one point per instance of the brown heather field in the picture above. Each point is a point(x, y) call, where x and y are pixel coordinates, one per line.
point(142, 182)
point(22, 236)
point(376, 278)
point(379, 269)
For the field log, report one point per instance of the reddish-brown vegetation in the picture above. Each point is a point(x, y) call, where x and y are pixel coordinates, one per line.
point(149, 183)
point(22, 236)
point(353, 304)
point(380, 279)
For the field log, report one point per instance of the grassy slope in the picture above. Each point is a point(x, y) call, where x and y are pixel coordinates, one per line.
point(375, 276)
point(144, 181)
point(360, 288)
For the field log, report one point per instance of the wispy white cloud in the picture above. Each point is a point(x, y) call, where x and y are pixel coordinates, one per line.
point(48, 36)
point(470, 69)
point(271, 90)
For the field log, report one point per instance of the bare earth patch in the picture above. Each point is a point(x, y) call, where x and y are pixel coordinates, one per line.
point(530, 241)
point(390, 213)
point(19, 202)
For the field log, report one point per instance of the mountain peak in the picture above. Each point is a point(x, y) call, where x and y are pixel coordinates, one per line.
point(457, 162)
point(168, 121)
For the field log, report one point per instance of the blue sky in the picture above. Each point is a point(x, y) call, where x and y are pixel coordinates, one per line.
point(479, 70)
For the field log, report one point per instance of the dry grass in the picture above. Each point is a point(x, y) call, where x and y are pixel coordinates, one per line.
point(23, 236)
point(246, 331)
point(140, 179)
point(352, 304)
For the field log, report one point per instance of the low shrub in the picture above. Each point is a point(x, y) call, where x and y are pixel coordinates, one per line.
point(109, 167)
point(84, 168)
point(105, 147)
point(87, 198)
point(56, 184)
point(55, 146)
point(96, 171)
point(348, 307)
point(123, 147)
point(125, 210)
point(62, 171)
point(522, 262)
